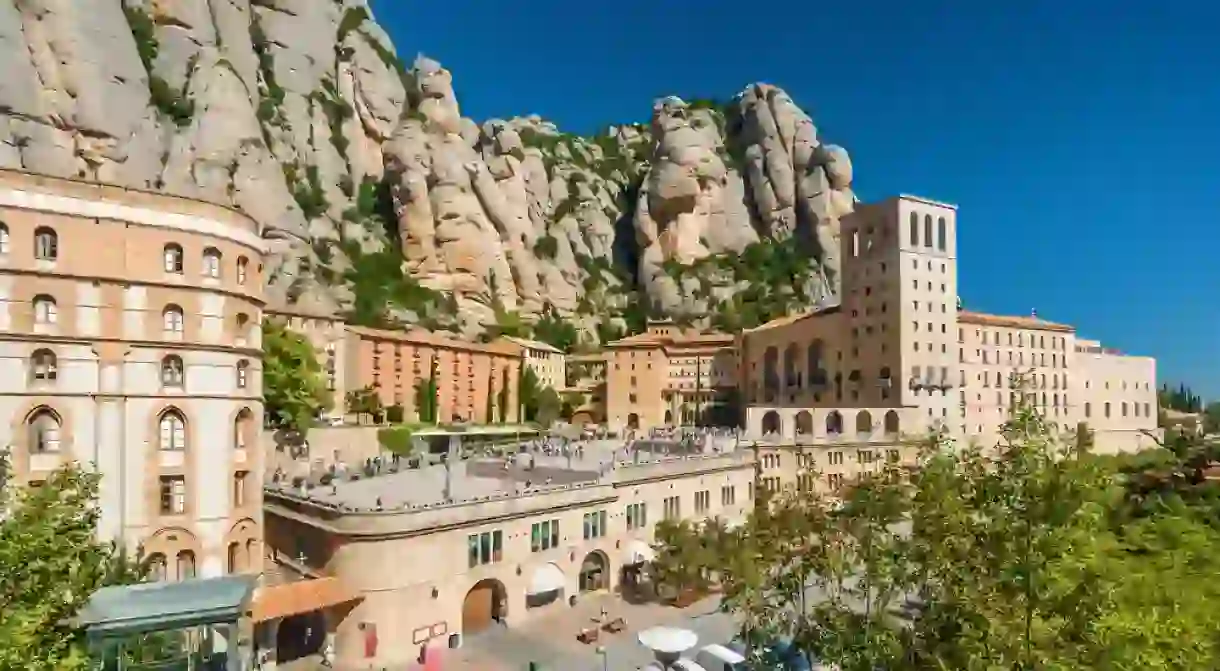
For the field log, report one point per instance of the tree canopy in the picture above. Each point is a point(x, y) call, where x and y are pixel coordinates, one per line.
point(51, 563)
point(1034, 554)
point(294, 388)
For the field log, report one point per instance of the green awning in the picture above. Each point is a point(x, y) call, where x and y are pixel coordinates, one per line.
point(162, 606)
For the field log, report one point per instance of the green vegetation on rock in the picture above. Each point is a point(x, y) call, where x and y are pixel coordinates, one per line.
point(174, 105)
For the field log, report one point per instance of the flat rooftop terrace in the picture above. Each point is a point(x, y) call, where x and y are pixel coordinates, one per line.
point(480, 478)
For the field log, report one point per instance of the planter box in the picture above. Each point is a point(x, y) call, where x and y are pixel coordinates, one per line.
point(685, 598)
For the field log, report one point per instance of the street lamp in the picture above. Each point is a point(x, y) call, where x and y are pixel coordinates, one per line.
point(601, 652)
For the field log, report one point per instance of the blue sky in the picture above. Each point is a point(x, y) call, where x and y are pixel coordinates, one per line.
point(1081, 140)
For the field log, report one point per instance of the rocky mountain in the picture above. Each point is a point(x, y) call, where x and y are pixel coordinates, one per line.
point(389, 206)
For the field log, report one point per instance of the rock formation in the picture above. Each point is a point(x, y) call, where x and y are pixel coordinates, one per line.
point(301, 114)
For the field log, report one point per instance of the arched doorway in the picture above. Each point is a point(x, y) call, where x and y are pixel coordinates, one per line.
point(300, 636)
point(864, 423)
point(485, 604)
point(669, 416)
point(771, 423)
point(891, 423)
point(804, 423)
point(582, 417)
point(834, 423)
point(594, 572)
point(633, 421)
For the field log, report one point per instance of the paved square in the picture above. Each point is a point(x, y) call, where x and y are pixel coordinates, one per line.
point(550, 639)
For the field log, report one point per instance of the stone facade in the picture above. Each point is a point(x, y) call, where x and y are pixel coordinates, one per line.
point(130, 329)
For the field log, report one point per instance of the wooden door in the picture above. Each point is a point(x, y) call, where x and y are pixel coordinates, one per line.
point(477, 609)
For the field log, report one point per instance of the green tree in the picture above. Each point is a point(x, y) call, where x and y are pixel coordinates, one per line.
point(427, 405)
point(1027, 555)
point(681, 557)
point(365, 401)
point(528, 390)
point(294, 387)
point(1211, 417)
point(554, 331)
point(502, 397)
point(51, 562)
point(396, 440)
point(548, 408)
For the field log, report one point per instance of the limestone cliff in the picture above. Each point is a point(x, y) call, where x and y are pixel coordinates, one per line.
point(391, 206)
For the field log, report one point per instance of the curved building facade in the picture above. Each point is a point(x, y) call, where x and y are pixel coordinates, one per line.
point(130, 339)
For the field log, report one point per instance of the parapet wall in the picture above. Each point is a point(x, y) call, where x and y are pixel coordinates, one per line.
point(417, 518)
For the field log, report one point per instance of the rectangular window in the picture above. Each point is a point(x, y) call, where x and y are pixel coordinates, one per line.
point(703, 501)
point(544, 535)
point(637, 516)
point(671, 508)
point(173, 494)
point(485, 548)
point(728, 495)
point(595, 524)
point(836, 458)
point(239, 488)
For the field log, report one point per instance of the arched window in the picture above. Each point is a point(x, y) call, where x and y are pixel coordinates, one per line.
point(46, 244)
point(1107, 409)
point(1088, 409)
point(211, 262)
point(241, 428)
point(234, 561)
point(243, 374)
point(172, 371)
point(172, 320)
point(44, 426)
point(927, 230)
point(45, 310)
point(243, 324)
point(942, 234)
point(834, 423)
point(43, 366)
point(186, 565)
point(914, 229)
point(3, 238)
point(243, 265)
point(156, 567)
point(173, 257)
point(173, 431)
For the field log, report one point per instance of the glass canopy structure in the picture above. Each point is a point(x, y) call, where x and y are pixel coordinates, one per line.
point(181, 626)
